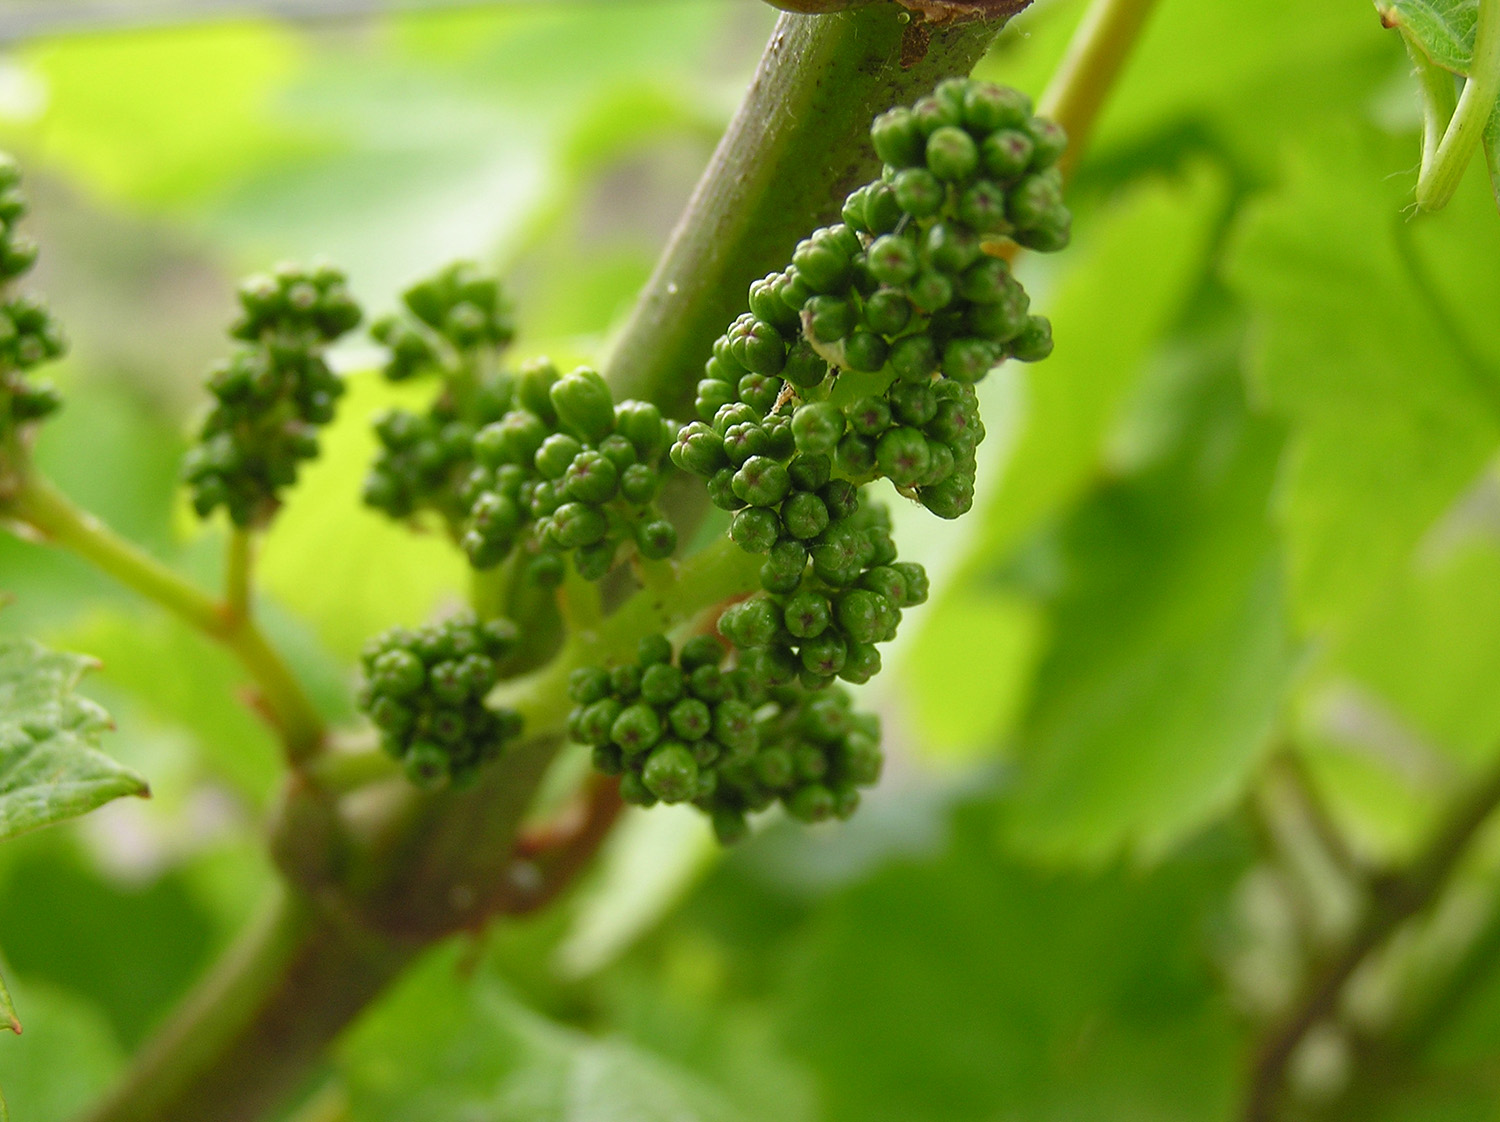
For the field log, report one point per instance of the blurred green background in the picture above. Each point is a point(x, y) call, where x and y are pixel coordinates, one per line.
point(1233, 579)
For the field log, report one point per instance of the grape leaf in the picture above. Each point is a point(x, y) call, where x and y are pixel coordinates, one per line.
point(971, 986)
point(1170, 653)
point(447, 1048)
point(1443, 29)
point(50, 768)
point(1389, 381)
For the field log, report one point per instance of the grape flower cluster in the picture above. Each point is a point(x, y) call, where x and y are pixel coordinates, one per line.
point(455, 325)
point(272, 394)
point(534, 460)
point(686, 728)
point(425, 691)
point(857, 362)
point(28, 334)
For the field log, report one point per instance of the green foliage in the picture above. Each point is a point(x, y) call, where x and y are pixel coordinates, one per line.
point(1210, 668)
point(471, 1048)
point(50, 766)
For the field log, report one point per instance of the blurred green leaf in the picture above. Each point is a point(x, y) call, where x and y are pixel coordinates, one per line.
point(1170, 653)
point(1109, 315)
point(50, 765)
point(317, 559)
point(202, 120)
point(970, 986)
point(199, 696)
point(1393, 412)
point(64, 1059)
point(444, 1048)
point(143, 944)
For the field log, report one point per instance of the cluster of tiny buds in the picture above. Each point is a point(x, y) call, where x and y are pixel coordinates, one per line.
point(454, 325)
point(681, 727)
point(567, 470)
point(29, 336)
point(273, 394)
point(425, 691)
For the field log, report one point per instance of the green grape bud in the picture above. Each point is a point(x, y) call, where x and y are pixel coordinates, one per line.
point(653, 649)
point(575, 525)
point(862, 664)
point(893, 260)
point(762, 482)
point(919, 192)
point(656, 539)
point(1034, 342)
point(752, 623)
point(807, 614)
point(1050, 140)
point(661, 683)
point(671, 773)
point(969, 359)
point(952, 154)
point(817, 427)
point(988, 107)
point(822, 264)
point(869, 416)
point(690, 719)
point(555, 454)
point(754, 529)
point(805, 515)
point(636, 729)
point(901, 454)
point(1033, 199)
point(1007, 154)
point(590, 478)
point(584, 404)
point(804, 366)
point(426, 765)
point(588, 684)
point(916, 582)
point(934, 112)
point(897, 138)
point(882, 212)
point(829, 318)
point(865, 351)
point(699, 651)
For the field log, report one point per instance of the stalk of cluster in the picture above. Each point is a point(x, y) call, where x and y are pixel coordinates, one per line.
point(456, 326)
point(272, 395)
point(729, 741)
point(28, 334)
point(425, 691)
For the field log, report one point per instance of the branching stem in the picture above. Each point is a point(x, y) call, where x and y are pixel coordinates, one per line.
point(41, 508)
point(1095, 57)
point(1392, 902)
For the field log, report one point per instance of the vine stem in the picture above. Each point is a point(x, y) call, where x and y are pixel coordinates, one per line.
point(1441, 174)
point(1090, 68)
point(39, 506)
point(239, 558)
point(1439, 98)
point(1393, 901)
